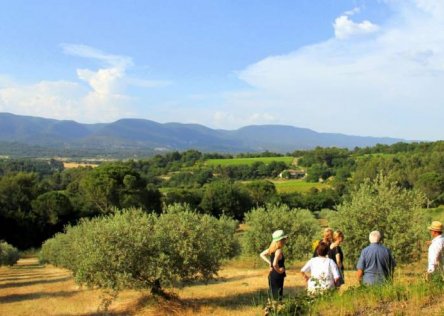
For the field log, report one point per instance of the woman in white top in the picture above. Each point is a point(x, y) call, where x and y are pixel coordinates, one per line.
point(324, 274)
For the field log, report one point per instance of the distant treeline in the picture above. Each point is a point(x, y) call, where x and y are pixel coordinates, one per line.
point(20, 150)
point(38, 197)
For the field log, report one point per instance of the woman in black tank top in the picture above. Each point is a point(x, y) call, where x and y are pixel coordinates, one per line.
point(277, 265)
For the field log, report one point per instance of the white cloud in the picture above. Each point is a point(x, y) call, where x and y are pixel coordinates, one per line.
point(353, 11)
point(103, 99)
point(389, 83)
point(60, 100)
point(115, 61)
point(226, 120)
point(434, 7)
point(345, 27)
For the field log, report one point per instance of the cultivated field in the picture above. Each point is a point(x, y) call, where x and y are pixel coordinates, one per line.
point(297, 185)
point(71, 165)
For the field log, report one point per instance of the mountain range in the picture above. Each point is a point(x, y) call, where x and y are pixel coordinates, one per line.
point(135, 135)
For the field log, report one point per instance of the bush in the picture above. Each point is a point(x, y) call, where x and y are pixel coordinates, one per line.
point(327, 214)
point(191, 244)
point(135, 250)
point(9, 255)
point(381, 205)
point(300, 226)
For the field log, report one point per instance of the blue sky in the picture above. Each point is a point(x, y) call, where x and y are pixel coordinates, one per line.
point(372, 67)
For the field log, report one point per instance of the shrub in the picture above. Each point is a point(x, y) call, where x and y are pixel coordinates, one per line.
point(300, 226)
point(192, 244)
point(9, 255)
point(136, 250)
point(326, 214)
point(381, 205)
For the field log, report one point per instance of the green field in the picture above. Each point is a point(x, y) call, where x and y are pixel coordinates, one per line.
point(247, 161)
point(290, 186)
point(435, 214)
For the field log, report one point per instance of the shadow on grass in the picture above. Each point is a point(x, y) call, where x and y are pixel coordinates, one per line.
point(233, 303)
point(177, 306)
point(22, 277)
point(219, 280)
point(28, 266)
point(33, 296)
point(237, 301)
point(20, 274)
point(138, 305)
point(34, 282)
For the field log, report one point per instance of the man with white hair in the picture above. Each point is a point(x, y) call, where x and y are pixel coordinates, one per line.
point(376, 263)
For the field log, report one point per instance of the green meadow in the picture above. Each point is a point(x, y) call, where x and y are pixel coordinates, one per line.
point(297, 185)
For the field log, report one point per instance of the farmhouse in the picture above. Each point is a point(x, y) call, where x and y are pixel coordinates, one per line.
point(292, 174)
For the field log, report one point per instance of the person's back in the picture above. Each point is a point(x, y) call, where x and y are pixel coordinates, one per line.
point(324, 272)
point(376, 263)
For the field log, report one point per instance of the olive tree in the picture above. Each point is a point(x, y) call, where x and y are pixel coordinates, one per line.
point(300, 226)
point(382, 205)
point(132, 249)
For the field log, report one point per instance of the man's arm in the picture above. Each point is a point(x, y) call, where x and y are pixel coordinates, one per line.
point(360, 266)
point(359, 274)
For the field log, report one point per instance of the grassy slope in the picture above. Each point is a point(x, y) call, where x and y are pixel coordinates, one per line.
point(33, 289)
point(30, 288)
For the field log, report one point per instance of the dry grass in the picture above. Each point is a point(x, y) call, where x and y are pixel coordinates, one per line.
point(71, 165)
point(32, 289)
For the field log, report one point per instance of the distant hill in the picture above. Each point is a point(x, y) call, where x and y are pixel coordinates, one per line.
point(135, 136)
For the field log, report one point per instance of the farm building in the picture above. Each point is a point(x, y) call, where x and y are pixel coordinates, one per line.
point(292, 174)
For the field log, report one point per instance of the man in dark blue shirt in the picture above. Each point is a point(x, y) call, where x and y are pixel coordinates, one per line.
point(376, 263)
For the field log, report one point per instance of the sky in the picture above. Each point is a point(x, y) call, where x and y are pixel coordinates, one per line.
point(357, 67)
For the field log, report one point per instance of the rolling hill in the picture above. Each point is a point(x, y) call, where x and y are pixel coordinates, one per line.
point(139, 135)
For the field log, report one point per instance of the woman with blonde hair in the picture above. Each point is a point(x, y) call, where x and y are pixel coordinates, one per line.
point(276, 263)
point(327, 238)
point(335, 253)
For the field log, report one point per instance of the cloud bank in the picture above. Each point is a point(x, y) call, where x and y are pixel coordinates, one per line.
point(99, 95)
point(369, 79)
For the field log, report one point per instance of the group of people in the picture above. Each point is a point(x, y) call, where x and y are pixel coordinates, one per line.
point(325, 270)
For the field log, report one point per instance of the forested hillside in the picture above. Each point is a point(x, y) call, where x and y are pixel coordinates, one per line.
point(39, 197)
